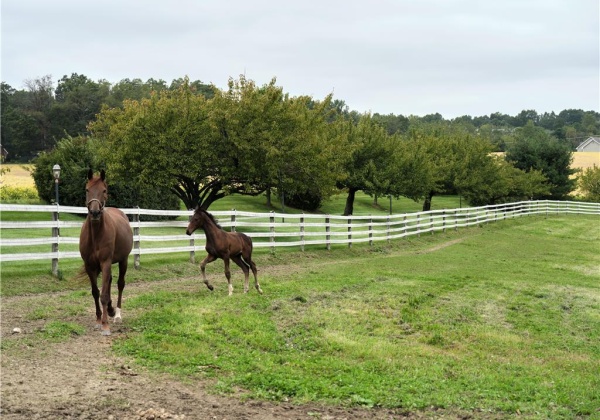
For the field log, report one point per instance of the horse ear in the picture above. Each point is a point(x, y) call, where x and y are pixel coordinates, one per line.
point(102, 175)
point(90, 174)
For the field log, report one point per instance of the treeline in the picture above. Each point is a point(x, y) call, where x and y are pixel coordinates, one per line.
point(202, 143)
point(34, 119)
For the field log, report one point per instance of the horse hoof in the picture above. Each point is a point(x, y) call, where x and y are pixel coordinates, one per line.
point(105, 332)
point(259, 290)
point(210, 287)
point(117, 319)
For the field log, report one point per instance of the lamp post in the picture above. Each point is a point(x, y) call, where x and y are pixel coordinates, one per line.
point(55, 230)
point(56, 172)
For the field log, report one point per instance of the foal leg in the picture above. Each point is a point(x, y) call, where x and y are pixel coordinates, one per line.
point(240, 261)
point(254, 271)
point(228, 275)
point(120, 286)
point(209, 258)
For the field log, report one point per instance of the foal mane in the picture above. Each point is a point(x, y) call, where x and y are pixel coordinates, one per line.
point(210, 216)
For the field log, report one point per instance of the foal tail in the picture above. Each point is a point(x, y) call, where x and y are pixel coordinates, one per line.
point(248, 243)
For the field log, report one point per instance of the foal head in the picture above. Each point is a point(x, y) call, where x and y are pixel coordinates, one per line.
point(199, 220)
point(95, 194)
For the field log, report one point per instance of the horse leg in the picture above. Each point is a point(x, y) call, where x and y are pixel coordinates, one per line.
point(228, 275)
point(254, 271)
point(105, 297)
point(240, 261)
point(209, 258)
point(93, 275)
point(120, 286)
point(111, 310)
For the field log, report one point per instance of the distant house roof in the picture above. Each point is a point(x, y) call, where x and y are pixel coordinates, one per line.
point(591, 144)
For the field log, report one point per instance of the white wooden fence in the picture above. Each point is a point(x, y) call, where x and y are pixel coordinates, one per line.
point(266, 229)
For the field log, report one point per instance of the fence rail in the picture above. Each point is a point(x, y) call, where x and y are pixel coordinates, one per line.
point(266, 229)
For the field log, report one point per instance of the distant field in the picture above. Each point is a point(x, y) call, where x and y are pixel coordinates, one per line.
point(584, 160)
point(18, 176)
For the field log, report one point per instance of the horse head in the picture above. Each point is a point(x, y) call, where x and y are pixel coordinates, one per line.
point(197, 220)
point(96, 194)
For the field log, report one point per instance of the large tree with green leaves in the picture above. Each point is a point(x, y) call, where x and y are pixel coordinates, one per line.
point(367, 166)
point(243, 140)
point(535, 149)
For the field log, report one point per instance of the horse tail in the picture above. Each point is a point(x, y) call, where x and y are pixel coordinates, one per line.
point(81, 275)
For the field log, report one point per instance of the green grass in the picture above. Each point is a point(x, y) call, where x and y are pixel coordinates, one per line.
point(500, 319)
point(480, 324)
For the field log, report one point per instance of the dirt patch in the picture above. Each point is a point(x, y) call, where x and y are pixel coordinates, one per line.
point(82, 378)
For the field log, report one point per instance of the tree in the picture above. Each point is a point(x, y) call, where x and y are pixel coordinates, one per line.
point(243, 140)
point(19, 129)
point(501, 183)
point(535, 149)
point(371, 153)
point(292, 144)
point(78, 100)
point(589, 184)
point(39, 101)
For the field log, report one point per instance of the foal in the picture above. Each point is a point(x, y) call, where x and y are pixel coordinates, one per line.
point(225, 245)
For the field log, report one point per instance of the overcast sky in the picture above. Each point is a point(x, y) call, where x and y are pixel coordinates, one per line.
point(455, 57)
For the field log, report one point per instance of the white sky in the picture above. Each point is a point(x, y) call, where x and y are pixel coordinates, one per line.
point(455, 57)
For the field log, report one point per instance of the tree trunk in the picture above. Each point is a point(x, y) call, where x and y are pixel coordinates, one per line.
point(427, 202)
point(349, 209)
point(268, 193)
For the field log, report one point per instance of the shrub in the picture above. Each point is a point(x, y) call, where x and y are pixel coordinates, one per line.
point(76, 155)
point(18, 194)
point(307, 201)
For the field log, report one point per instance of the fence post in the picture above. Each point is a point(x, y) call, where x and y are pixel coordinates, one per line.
point(444, 221)
point(136, 242)
point(56, 236)
point(272, 230)
point(388, 228)
point(418, 225)
point(327, 232)
point(192, 243)
point(455, 220)
point(232, 228)
point(370, 230)
point(431, 222)
point(302, 232)
point(349, 231)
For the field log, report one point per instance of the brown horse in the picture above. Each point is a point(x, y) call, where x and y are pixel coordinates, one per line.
point(225, 245)
point(105, 239)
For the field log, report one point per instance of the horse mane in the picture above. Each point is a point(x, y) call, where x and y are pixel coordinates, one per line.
point(210, 216)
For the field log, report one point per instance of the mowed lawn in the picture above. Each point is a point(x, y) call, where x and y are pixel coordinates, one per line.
point(503, 319)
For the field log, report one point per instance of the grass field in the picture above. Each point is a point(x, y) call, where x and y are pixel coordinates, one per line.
point(459, 320)
point(499, 320)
